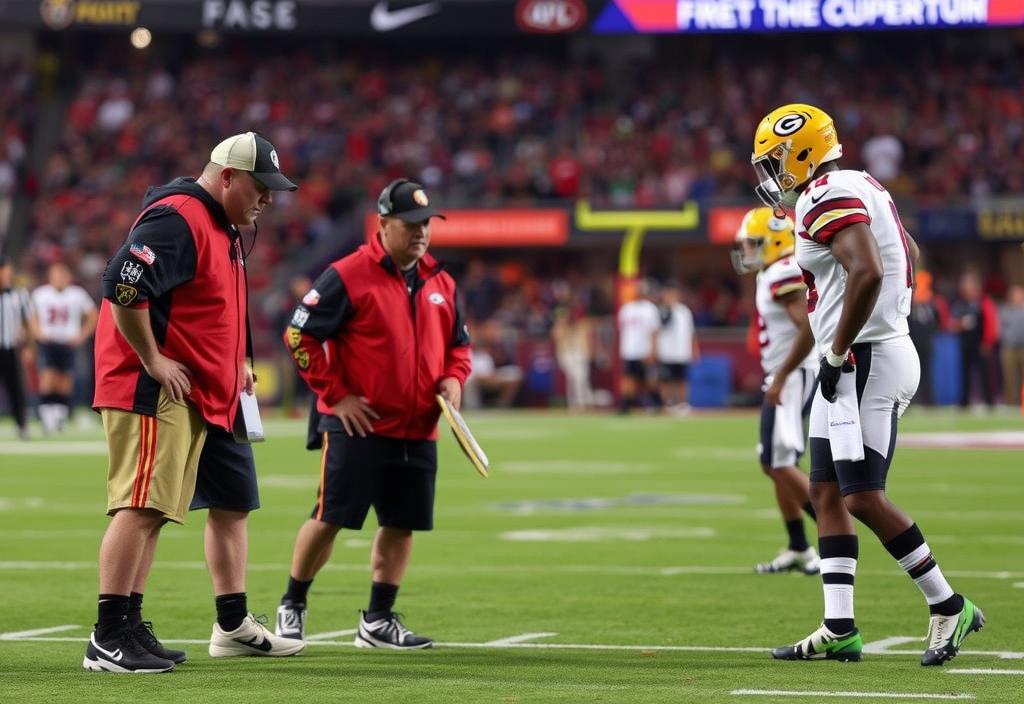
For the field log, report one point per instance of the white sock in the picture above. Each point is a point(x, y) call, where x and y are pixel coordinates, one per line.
point(838, 597)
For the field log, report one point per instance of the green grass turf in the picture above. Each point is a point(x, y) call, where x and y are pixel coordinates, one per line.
point(686, 514)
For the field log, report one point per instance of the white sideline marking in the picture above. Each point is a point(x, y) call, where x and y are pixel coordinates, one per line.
point(594, 534)
point(996, 440)
point(43, 565)
point(332, 634)
point(573, 467)
point(1005, 655)
point(868, 695)
point(82, 447)
point(1019, 585)
point(983, 671)
point(20, 635)
point(878, 647)
point(521, 638)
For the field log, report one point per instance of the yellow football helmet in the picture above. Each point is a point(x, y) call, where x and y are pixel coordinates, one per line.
point(790, 144)
point(762, 239)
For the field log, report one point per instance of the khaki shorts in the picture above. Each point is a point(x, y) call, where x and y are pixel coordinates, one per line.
point(153, 460)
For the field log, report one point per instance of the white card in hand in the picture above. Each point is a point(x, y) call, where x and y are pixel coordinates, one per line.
point(250, 411)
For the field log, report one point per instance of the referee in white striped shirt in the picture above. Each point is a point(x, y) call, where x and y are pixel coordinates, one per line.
point(15, 330)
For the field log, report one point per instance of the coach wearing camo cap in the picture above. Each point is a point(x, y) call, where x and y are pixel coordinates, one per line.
point(171, 349)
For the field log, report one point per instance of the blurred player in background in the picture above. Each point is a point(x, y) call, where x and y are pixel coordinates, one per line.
point(677, 349)
point(858, 264)
point(639, 322)
point(65, 318)
point(16, 332)
point(765, 244)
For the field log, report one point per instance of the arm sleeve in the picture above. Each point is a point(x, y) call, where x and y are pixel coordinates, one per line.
point(158, 255)
point(829, 209)
point(457, 361)
point(321, 315)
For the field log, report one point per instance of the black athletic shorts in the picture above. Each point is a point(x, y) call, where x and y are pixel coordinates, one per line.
point(636, 368)
point(227, 474)
point(54, 355)
point(394, 476)
point(673, 371)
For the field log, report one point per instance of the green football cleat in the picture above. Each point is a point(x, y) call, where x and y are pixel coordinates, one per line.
point(947, 633)
point(823, 644)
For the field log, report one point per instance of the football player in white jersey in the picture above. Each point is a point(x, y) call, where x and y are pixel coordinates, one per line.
point(765, 244)
point(65, 318)
point(858, 265)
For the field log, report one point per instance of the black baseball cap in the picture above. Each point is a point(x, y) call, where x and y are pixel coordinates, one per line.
point(250, 152)
point(406, 200)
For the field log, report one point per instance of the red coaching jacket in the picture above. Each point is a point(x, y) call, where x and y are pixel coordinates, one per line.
point(184, 262)
point(366, 328)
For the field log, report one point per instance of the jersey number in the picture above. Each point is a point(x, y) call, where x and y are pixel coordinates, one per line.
point(899, 227)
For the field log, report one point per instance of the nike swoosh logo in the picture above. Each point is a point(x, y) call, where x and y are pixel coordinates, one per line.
point(815, 200)
point(115, 655)
point(384, 20)
point(258, 643)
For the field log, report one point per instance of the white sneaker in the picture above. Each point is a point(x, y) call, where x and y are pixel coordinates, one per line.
point(806, 561)
point(251, 638)
point(291, 621)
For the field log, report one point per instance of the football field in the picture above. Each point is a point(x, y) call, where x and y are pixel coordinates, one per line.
point(607, 559)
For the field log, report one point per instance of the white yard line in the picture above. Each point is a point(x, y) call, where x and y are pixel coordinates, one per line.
point(983, 671)
point(513, 642)
point(667, 571)
point(881, 647)
point(844, 695)
point(21, 635)
point(331, 634)
point(521, 638)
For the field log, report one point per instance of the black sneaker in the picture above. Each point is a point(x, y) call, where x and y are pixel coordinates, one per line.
point(121, 652)
point(148, 640)
point(388, 632)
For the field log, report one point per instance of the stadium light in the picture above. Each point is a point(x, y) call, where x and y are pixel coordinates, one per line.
point(141, 38)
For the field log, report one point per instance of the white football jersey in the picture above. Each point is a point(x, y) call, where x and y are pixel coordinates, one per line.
point(833, 202)
point(776, 332)
point(675, 338)
point(60, 313)
point(638, 321)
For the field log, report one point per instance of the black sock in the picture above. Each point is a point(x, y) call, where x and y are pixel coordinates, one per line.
point(297, 591)
point(809, 510)
point(797, 537)
point(231, 610)
point(950, 607)
point(112, 615)
point(134, 609)
point(382, 600)
point(915, 557)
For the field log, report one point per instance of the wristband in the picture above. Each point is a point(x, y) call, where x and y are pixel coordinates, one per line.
point(835, 360)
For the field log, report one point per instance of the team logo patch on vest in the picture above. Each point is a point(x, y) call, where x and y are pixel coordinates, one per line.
point(301, 358)
point(131, 272)
point(125, 294)
point(436, 298)
point(312, 297)
point(294, 338)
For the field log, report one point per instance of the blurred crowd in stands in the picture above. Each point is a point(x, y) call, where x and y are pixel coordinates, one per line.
point(935, 118)
point(931, 118)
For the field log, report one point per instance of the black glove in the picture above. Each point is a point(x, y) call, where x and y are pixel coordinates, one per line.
point(828, 377)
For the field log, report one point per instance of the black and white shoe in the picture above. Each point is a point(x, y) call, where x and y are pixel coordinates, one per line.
point(148, 640)
point(291, 620)
point(251, 638)
point(122, 653)
point(388, 632)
